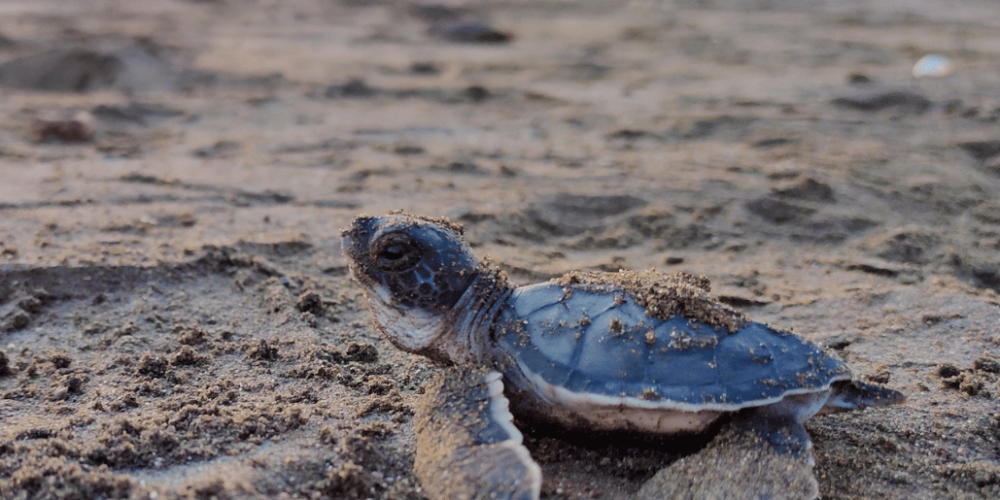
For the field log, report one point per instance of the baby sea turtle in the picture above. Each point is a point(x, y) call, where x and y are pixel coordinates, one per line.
point(636, 351)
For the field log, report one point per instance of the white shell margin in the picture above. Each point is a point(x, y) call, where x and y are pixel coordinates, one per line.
point(663, 416)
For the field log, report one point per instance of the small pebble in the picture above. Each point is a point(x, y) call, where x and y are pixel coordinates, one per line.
point(933, 66)
point(476, 93)
point(858, 79)
point(64, 126)
point(354, 88)
point(424, 68)
point(469, 32)
point(59, 394)
point(878, 100)
point(4, 364)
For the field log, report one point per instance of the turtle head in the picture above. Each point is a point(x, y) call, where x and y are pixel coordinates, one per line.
point(413, 271)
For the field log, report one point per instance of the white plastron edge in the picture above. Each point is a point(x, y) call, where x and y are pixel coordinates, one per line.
point(604, 411)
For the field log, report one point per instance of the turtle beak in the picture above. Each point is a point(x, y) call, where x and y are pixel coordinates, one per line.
point(354, 239)
point(363, 223)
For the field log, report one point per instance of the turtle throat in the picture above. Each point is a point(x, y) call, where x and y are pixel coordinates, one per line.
point(466, 332)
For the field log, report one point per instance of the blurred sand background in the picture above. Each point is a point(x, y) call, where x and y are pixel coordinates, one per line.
point(176, 319)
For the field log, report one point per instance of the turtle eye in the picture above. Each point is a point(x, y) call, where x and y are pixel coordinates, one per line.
point(396, 252)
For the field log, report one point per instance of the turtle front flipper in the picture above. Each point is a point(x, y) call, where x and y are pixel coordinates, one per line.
point(467, 445)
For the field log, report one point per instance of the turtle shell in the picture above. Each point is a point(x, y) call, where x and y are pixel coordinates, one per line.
point(597, 343)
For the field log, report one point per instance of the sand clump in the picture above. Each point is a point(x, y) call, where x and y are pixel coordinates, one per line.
point(662, 295)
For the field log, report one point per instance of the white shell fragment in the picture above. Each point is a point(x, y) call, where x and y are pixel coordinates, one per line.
point(933, 65)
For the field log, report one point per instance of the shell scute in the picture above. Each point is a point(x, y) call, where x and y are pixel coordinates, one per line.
point(543, 298)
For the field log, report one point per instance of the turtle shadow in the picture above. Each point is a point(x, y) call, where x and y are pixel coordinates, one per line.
point(632, 456)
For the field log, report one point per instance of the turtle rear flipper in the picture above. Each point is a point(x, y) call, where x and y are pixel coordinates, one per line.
point(853, 395)
point(742, 462)
point(467, 445)
point(764, 452)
